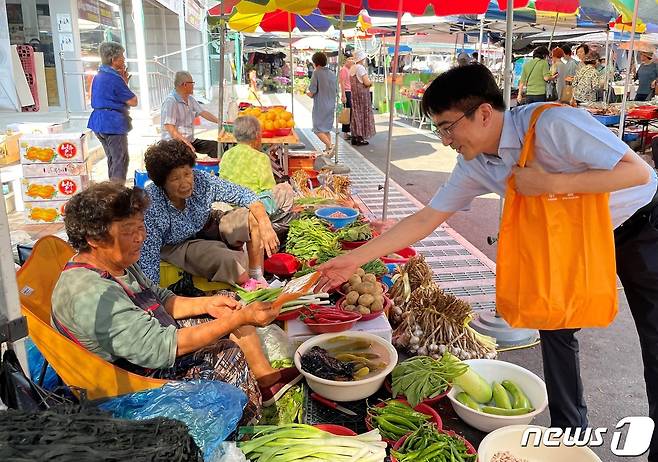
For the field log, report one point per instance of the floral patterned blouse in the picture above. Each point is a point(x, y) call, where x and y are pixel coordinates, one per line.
point(586, 83)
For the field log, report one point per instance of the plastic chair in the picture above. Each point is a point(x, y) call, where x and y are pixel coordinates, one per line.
point(77, 367)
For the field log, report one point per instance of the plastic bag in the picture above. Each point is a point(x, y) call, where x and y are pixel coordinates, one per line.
point(228, 452)
point(35, 360)
point(275, 342)
point(210, 409)
point(16, 390)
point(185, 287)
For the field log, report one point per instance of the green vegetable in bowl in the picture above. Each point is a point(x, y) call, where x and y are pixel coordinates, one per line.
point(355, 231)
point(429, 444)
point(472, 383)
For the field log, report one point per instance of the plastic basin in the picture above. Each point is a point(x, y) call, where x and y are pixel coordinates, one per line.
point(326, 212)
point(367, 317)
point(354, 390)
point(422, 408)
point(495, 370)
point(405, 253)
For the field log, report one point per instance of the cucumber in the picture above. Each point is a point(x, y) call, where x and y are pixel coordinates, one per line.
point(467, 401)
point(519, 399)
point(473, 384)
point(501, 398)
point(507, 412)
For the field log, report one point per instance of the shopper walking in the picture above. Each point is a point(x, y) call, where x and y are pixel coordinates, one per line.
point(323, 91)
point(362, 122)
point(535, 74)
point(111, 100)
point(646, 76)
point(346, 92)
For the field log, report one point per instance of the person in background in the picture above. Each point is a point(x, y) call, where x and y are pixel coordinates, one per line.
point(581, 51)
point(105, 303)
point(346, 91)
point(474, 57)
point(463, 59)
point(646, 76)
point(246, 165)
point(111, 100)
point(323, 91)
point(587, 82)
point(179, 110)
point(553, 90)
point(575, 154)
point(184, 230)
point(309, 69)
point(569, 65)
point(534, 76)
point(362, 121)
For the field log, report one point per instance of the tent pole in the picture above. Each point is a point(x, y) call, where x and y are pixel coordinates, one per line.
point(508, 72)
point(338, 67)
point(481, 39)
point(550, 41)
point(394, 75)
point(606, 92)
point(622, 113)
point(292, 72)
point(222, 55)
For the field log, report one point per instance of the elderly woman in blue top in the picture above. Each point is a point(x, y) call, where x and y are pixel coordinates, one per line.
point(183, 230)
point(574, 154)
point(111, 99)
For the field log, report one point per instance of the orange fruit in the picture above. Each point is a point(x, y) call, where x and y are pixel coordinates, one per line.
point(269, 125)
point(285, 115)
point(289, 124)
point(271, 115)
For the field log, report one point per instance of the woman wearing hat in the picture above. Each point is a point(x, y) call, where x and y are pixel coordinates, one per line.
point(362, 122)
point(646, 76)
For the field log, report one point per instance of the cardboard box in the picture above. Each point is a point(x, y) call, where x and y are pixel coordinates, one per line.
point(298, 332)
point(36, 128)
point(59, 148)
point(70, 169)
point(52, 188)
point(9, 149)
point(46, 212)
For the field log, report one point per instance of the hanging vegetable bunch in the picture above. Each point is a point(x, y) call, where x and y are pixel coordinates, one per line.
point(431, 322)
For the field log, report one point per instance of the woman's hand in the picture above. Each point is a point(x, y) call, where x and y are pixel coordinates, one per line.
point(343, 99)
point(220, 305)
point(269, 238)
point(335, 272)
point(260, 314)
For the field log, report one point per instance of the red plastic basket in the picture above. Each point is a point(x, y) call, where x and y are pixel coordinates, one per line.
point(26, 55)
point(643, 112)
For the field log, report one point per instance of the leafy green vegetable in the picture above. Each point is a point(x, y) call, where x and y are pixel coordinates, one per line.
point(355, 231)
point(423, 377)
point(259, 295)
point(427, 443)
point(286, 410)
point(308, 238)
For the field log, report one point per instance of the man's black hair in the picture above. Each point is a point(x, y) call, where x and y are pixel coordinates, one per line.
point(540, 52)
point(460, 89)
point(567, 49)
point(584, 46)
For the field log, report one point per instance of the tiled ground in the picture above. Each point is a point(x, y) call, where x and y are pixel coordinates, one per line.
point(459, 268)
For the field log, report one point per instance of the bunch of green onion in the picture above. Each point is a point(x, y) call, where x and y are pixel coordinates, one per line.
point(299, 442)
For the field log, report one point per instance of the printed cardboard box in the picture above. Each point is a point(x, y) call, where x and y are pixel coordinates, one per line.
point(60, 148)
point(9, 149)
point(70, 169)
point(35, 128)
point(46, 212)
point(52, 188)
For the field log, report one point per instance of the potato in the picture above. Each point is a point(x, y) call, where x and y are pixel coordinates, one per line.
point(380, 299)
point(376, 306)
point(354, 280)
point(366, 300)
point(369, 278)
point(361, 288)
point(350, 308)
point(368, 288)
point(360, 272)
point(352, 297)
point(379, 290)
point(345, 288)
point(363, 309)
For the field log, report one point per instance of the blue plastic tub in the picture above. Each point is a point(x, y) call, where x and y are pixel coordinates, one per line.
point(325, 212)
point(142, 179)
point(209, 165)
point(608, 120)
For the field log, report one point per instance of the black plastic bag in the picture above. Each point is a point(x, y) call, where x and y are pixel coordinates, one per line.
point(17, 391)
point(185, 287)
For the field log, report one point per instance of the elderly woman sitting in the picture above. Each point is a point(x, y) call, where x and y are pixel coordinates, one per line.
point(105, 303)
point(183, 230)
point(245, 164)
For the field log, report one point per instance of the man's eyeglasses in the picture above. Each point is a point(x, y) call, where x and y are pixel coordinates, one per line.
point(189, 83)
point(446, 132)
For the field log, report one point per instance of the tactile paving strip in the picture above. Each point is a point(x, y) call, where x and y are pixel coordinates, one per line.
point(459, 267)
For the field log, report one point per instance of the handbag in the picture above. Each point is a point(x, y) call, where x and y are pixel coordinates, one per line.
point(524, 90)
point(551, 91)
point(344, 116)
point(556, 256)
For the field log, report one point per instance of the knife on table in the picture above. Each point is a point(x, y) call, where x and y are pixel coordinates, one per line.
point(332, 404)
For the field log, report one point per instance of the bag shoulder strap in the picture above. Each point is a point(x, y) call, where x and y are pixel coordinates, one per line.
point(530, 73)
point(528, 149)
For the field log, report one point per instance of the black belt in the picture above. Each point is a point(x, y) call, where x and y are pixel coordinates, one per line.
point(637, 221)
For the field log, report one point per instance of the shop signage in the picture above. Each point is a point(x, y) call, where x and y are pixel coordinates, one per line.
point(193, 14)
point(96, 11)
point(174, 5)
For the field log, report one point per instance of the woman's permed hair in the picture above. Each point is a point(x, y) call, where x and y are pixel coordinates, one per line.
point(164, 156)
point(319, 59)
point(89, 214)
point(246, 129)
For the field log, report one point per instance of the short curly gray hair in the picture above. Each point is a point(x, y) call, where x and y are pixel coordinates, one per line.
point(110, 50)
point(246, 129)
point(181, 77)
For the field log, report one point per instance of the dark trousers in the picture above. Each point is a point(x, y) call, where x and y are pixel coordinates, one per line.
point(636, 243)
point(534, 99)
point(348, 103)
point(116, 151)
point(205, 147)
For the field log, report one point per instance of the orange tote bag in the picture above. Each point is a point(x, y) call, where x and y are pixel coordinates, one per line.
point(556, 256)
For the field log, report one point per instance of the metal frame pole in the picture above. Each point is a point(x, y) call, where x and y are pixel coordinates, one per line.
point(340, 56)
point(394, 74)
point(292, 67)
point(624, 100)
point(220, 92)
point(481, 39)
